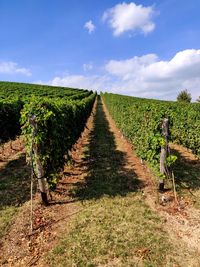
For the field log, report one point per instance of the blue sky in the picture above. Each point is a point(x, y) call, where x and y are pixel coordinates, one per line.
point(142, 48)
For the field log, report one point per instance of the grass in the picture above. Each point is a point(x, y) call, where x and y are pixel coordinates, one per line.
point(14, 190)
point(6, 216)
point(119, 231)
point(115, 226)
point(107, 170)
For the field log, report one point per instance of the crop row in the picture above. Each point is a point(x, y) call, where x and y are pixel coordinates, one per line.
point(13, 96)
point(58, 126)
point(50, 119)
point(25, 90)
point(140, 121)
point(9, 119)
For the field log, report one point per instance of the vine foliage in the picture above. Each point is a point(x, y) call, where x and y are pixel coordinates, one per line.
point(59, 125)
point(140, 121)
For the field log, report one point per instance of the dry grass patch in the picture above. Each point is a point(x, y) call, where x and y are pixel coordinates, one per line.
point(119, 231)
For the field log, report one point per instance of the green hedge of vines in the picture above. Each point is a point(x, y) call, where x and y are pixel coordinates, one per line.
point(59, 124)
point(140, 121)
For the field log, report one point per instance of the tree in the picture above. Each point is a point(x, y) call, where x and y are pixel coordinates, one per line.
point(198, 99)
point(184, 96)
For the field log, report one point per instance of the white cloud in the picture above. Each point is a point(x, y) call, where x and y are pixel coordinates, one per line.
point(13, 68)
point(148, 76)
point(129, 17)
point(90, 26)
point(87, 67)
point(145, 76)
point(92, 82)
point(127, 68)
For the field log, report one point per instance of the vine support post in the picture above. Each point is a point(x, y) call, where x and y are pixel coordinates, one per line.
point(42, 182)
point(164, 152)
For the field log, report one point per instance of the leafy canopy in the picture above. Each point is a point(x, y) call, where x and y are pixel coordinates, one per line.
point(184, 96)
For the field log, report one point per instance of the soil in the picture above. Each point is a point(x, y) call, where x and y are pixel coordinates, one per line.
point(10, 151)
point(186, 156)
point(21, 247)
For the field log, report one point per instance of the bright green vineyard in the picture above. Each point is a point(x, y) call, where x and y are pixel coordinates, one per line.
point(14, 95)
point(60, 115)
point(140, 121)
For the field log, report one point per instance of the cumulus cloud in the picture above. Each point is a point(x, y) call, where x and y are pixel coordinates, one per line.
point(156, 78)
point(13, 68)
point(144, 76)
point(129, 67)
point(90, 26)
point(126, 17)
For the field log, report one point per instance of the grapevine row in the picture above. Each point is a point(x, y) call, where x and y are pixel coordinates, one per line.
point(140, 121)
point(13, 96)
point(58, 125)
point(50, 119)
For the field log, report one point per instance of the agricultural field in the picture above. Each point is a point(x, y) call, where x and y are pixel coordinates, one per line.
point(93, 164)
point(13, 96)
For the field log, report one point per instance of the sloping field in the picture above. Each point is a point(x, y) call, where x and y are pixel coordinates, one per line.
point(105, 208)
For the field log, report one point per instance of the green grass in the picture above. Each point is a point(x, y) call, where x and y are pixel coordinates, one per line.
point(119, 231)
point(114, 227)
point(14, 190)
point(6, 216)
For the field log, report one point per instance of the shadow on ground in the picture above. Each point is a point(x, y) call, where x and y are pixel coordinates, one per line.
point(107, 166)
point(187, 172)
point(15, 183)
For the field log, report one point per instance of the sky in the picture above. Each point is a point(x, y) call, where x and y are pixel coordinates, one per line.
point(145, 48)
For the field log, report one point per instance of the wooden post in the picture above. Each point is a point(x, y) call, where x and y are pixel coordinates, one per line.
point(42, 182)
point(164, 152)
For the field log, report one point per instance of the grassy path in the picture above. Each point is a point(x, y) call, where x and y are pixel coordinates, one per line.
point(115, 226)
point(14, 183)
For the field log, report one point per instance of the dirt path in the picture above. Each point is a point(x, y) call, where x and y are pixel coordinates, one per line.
point(99, 168)
point(132, 161)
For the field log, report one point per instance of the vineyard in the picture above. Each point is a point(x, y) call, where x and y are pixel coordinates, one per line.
point(13, 96)
point(99, 159)
point(50, 120)
point(140, 121)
